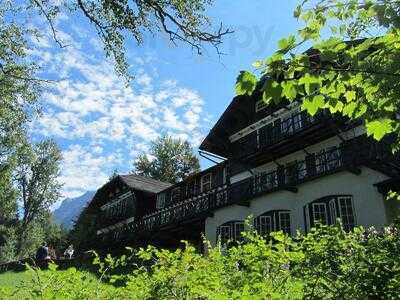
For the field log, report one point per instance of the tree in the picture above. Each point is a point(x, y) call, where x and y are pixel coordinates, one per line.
point(169, 160)
point(355, 71)
point(39, 188)
point(19, 91)
point(182, 20)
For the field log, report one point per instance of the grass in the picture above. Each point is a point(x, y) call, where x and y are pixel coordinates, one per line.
point(13, 279)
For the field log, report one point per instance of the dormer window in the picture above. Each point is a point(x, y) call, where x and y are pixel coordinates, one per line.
point(206, 183)
point(160, 202)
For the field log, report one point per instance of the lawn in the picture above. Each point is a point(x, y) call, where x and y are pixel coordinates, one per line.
point(13, 279)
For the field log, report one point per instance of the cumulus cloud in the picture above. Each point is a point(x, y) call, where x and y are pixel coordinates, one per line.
point(101, 123)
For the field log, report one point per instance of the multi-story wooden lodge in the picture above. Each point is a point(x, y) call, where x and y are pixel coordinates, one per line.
point(281, 166)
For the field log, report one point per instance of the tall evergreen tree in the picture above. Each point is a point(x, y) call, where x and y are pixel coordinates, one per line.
point(168, 159)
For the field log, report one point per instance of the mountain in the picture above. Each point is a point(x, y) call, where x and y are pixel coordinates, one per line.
point(70, 209)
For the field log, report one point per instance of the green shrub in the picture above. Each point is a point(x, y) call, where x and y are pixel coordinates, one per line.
point(327, 263)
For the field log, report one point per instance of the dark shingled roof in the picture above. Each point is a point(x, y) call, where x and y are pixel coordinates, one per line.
point(142, 183)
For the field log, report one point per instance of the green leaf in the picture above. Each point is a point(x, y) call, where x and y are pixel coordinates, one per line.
point(289, 90)
point(287, 44)
point(245, 83)
point(350, 96)
point(312, 105)
point(311, 82)
point(297, 11)
point(349, 109)
point(272, 90)
point(258, 64)
point(379, 128)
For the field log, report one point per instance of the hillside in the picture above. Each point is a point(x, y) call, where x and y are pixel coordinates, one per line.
point(70, 208)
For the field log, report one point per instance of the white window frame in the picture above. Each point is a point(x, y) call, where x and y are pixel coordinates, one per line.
point(340, 198)
point(160, 201)
point(237, 233)
point(207, 182)
point(332, 158)
point(307, 216)
point(332, 210)
point(262, 222)
point(314, 213)
point(280, 213)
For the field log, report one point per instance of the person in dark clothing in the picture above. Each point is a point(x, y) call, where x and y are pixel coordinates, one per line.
point(42, 256)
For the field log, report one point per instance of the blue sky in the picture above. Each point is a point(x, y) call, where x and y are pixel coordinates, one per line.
point(102, 125)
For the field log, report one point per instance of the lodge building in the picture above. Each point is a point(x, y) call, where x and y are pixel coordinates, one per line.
point(285, 168)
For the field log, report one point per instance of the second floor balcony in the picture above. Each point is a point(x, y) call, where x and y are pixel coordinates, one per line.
point(349, 156)
point(283, 135)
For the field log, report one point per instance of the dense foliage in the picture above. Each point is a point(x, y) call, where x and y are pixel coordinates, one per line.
point(353, 70)
point(28, 171)
point(327, 263)
point(169, 159)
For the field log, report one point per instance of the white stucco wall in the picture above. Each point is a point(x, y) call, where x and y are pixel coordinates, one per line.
point(368, 203)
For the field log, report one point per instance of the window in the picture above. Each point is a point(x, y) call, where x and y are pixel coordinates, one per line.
point(273, 221)
point(230, 231)
point(301, 169)
point(264, 225)
point(206, 183)
point(347, 212)
point(224, 233)
point(328, 159)
point(291, 173)
point(160, 202)
point(284, 221)
point(265, 182)
point(326, 211)
point(319, 213)
point(239, 228)
point(332, 209)
point(332, 158)
point(176, 194)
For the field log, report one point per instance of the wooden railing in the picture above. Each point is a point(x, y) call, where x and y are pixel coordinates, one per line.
point(187, 209)
point(348, 156)
point(278, 131)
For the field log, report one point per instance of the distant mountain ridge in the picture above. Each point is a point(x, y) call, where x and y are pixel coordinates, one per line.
point(70, 209)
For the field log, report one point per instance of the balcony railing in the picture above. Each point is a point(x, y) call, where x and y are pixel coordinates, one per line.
point(325, 162)
point(188, 208)
point(348, 156)
point(278, 131)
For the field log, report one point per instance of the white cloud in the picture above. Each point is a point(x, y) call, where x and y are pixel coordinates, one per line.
point(102, 123)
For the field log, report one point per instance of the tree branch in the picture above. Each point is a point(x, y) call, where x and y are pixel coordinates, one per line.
point(50, 22)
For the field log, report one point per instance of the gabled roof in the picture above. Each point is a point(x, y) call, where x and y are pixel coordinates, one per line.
point(145, 184)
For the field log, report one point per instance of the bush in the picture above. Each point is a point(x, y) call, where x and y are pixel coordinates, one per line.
point(327, 263)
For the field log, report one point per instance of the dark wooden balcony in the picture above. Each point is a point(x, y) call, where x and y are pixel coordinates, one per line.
point(350, 156)
point(288, 135)
point(121, 207)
